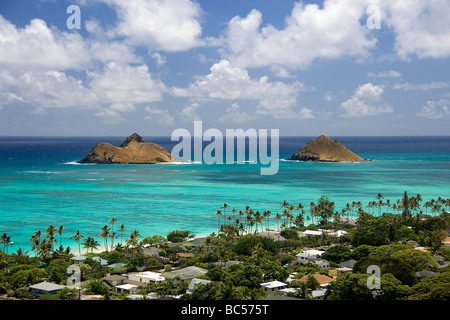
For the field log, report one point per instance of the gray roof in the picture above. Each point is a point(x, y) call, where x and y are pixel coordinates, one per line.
point(425, 274)
point(347, 264)
point(46, 286)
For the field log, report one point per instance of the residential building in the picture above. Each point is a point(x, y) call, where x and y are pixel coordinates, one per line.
point(195, 282)
point(308, 255)
point(273, 287)
point(45, 287)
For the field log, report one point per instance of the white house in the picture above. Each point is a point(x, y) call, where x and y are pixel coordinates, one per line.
point(310, 233)
point(145, 277)
point(308, 255)
point(272, 287)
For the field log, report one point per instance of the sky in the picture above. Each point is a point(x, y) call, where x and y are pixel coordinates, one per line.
point(334, 67)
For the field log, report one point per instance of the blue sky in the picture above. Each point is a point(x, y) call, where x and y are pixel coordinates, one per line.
point(151, 66)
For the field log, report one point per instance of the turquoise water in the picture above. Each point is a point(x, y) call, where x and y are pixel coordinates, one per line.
point(41, 185)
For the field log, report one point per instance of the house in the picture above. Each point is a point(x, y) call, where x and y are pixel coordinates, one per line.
point(114, 280)
point(322, 263)
point(185, 255)
point(310, 233)
point(446, 241)
point(79, 259)
point(187, 273)
point(273, 287)
point(308, 255)
point(348, 221)
point(145, 277)
point(343, 270)
point(425, 274)
point(441, 262)
point(321, 278)
point(45, 287)
point(317, 294)
point(347, 264)
point(274, 235)
point(195, 282)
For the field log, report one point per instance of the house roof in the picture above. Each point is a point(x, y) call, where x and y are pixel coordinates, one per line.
point(310, 252)
point(186, 273)
point(347, 264)
point(321, 278)
point(46, 286)
point(280, 297)
point(273, 284)
point(114, 277)
point(195, 282)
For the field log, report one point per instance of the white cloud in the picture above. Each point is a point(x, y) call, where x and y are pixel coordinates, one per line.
point(49, 89)
point(435, 110)
point(423, 86)
point(328, 96)
point(310, 32)
point(422, 28)
point(36, 46)
point(385, 74)
point(365, 102)
point(169, 25)
point(305, 114)
point(122, 83)
point(226, 82)
point(189, 113)
point(232, 114)
point(162, 116)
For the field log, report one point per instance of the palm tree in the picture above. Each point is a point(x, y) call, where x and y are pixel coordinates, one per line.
point(5, 239)
point(51, 231)
point(77, 237)
point(105, 234)
point(112, 222)
point(224, 208)
point(266, 215)
point(122, 230)
point(90, 243)
point(60, 231)
point(113, 236)
point(278, 218)
point(218, 214)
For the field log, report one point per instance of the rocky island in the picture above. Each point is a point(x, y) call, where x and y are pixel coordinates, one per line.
point(324, 149)
point(132, 151)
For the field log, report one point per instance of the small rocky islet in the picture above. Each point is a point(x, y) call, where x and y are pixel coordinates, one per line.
point(133, 150)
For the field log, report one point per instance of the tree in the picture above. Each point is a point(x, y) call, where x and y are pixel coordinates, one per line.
point(105, 234)
point(50, 235)
point(122, 230)
point(337, 254)
point(77, 237)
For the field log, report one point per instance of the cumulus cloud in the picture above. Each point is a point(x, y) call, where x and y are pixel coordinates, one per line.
point(122, 83)
point(423, 86)
point(385, 74)
point(366, 101)
point(162, 116)
point(435, 110)
point(49, 89)
point(227, 82)
point(421, 28)
point(310, 32)
point(37, 46)
point(189, 113)
point(169, 25)
point(234, 115)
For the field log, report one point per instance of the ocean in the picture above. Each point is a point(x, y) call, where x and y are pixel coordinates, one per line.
point(41, 185)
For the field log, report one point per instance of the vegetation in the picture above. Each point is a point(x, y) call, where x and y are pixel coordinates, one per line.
point(383, 236)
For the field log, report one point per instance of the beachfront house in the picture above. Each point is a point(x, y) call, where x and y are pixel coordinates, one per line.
point(308, 255)
point(272, 287)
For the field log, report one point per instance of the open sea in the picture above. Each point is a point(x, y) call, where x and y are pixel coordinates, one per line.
point(40, 184)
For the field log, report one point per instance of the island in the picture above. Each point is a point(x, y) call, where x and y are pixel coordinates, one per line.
point(132, 151)
point(324, 149)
